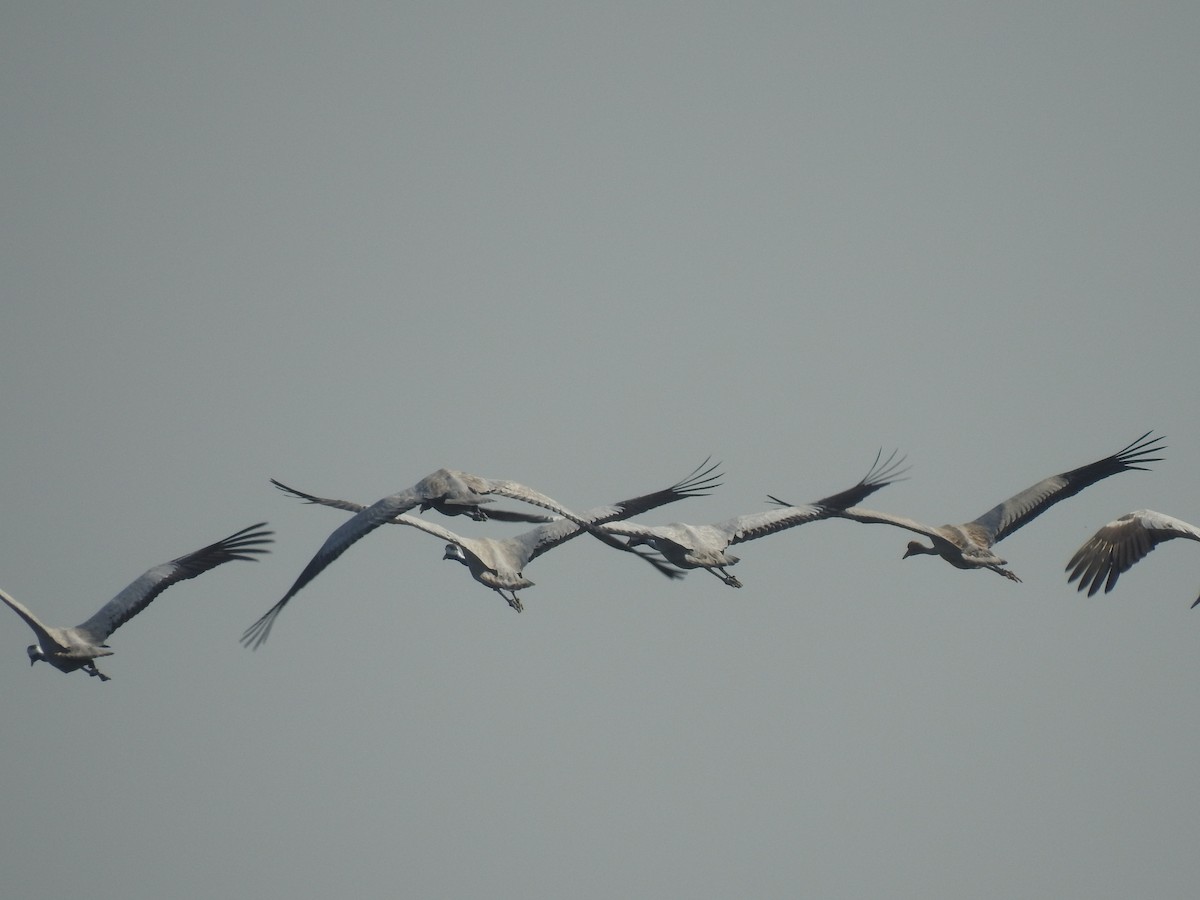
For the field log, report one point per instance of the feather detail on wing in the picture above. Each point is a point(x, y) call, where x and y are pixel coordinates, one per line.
point(1021, 509)
point(880, 475)
point(756, 525)
point(1119, 545)
point(244, 545)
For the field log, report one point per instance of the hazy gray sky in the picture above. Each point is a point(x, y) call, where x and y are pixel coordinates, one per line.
point(585, 246)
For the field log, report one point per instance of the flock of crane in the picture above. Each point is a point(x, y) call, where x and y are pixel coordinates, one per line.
point(499, 564)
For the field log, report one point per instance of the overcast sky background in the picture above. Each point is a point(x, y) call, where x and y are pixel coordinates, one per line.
point(584, 247)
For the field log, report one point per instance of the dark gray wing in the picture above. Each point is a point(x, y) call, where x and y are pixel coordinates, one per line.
point(882, 473)
point(339, 541)
point(1021, 509)
point(137, 596)
point(702, 480)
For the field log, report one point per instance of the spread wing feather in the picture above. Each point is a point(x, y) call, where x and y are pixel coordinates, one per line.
point(244, 544)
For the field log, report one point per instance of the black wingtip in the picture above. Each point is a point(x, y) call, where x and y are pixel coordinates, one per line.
point(1133, 455)
point(882, 473)
point(249, 540)
point(701, 480)
point(292, 492)
point(887, 472)
point(256, 635)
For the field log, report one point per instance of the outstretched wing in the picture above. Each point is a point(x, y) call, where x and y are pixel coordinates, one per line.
point(755, 525)
point(874, 517)
point(244, 544)
point(760, 524)
point(537, 541)
point(1120, 544)
point(499, 515)
point(358, 526)
point(880, 475)
point(703, 479)
point(429, 527)
point(675, 533)
point(403, 519)
point(435, 489)
point(1021, 509)
point(346, 505)
point(516, 491)
point(45, 640)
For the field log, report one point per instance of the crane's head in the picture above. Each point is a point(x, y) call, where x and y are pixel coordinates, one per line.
point(916, 548)
point(35, 653)
point(455, 552)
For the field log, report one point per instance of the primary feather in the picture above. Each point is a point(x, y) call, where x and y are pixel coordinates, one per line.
point(1122, 543)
